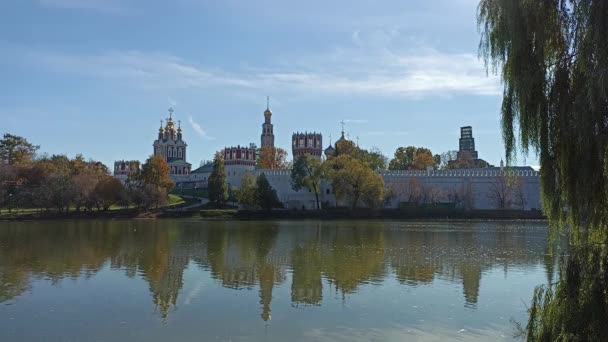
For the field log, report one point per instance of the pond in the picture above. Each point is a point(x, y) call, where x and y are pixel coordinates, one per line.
point(194, 280)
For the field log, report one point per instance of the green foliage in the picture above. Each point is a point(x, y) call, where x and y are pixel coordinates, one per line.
point(15, 150)
point(246, 195)
point(218, 189)
point(576, 307)
point(266, 196)
point(373, 158)
point(553, 59)
point(308, 172)
point(353, 180)
point(412, 158)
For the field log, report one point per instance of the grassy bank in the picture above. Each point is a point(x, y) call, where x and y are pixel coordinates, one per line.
point(173, 202)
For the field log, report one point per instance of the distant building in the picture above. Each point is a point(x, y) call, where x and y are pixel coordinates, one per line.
point(467, 156)
point(467, 142)
point(239, 160)
point(124, 168)
point(172, 148)
point(307, 143)
point(200, 177)
point(267, 138)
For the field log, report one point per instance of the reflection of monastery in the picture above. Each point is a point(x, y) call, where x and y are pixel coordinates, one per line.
point(315, 260)
point(476, 188)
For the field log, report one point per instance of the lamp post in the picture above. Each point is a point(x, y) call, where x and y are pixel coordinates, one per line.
point(10, 202)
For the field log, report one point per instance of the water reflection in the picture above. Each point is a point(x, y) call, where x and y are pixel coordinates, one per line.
point(313, 256)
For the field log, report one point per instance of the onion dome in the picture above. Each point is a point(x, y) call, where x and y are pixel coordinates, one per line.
point(267, 112)
point(330, 151)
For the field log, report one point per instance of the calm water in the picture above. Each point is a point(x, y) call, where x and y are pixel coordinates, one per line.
point(283, 281)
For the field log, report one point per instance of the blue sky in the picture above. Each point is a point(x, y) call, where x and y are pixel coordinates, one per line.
point(96, 76)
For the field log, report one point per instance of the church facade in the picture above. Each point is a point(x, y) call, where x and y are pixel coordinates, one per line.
point(170, 146)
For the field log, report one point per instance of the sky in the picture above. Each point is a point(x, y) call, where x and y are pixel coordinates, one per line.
point(97, 76)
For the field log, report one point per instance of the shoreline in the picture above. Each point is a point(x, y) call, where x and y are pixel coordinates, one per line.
point(248, 215)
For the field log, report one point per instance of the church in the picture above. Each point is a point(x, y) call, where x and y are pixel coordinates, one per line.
point(172, 148)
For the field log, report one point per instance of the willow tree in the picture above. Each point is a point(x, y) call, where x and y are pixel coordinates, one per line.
point(553, 59)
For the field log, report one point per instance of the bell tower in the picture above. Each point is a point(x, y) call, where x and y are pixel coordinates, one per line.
point(267, 128)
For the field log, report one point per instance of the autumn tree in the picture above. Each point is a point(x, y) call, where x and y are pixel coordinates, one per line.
point(271, 157)
point(354, 181)
point(155, 183)
point(308, 172)
point(15, 150)
point(407, 158)
point(372, 158)
point(217, 187)
point(155, 171)
point(266, 196)
point(423, 159)
point(552, 57)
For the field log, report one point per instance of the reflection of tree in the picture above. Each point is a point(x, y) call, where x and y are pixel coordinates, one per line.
point(306, 287)
point(80, 249)
point(243, 255)
point(356, 256)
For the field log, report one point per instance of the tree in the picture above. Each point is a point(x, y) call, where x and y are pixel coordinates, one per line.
point(464, 161)
point(108, 191)
point(155, 172)
point(266, 196)
point(501, 191)
point(217, 187)
point(354, 180)
point(373, 158)
point(15, 150)
point(307, 172)
point(403, 159)
point(424, 159)
point(407, 158)
point(553, 57)
point(272, 158)
point(246, 195)
point(446, 158)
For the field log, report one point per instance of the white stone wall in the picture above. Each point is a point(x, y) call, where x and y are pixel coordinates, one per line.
point(473, 186)
point(481, 186)
point(234, 174)
point(280, 180)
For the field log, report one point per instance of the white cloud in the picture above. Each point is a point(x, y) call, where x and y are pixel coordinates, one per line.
point(355, 71)
point(198, 129)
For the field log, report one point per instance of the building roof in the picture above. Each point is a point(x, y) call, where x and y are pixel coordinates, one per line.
point(207, 168)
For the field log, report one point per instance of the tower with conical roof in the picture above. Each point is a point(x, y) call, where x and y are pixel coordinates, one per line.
point(267, 138)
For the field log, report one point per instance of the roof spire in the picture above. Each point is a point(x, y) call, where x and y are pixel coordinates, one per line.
point(342, 122)
point(170, 113)
point(267, 102)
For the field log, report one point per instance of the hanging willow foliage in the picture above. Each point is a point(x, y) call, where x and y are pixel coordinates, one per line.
point(553, 59)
